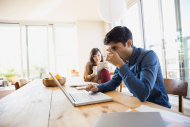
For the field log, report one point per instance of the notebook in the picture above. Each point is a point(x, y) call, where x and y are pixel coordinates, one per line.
point(100, 66)
point(80, 84)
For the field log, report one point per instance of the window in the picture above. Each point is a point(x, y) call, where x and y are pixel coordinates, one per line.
point(152, 31)
point(176, 35)
point(51, 49)
point(132, 21)
point(35, 51)
point(40, 50)
point(10, 63)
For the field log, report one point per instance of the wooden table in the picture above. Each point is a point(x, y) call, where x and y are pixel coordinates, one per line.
point(38, 106)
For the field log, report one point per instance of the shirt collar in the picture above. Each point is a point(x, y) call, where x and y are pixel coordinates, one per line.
point(133, 56)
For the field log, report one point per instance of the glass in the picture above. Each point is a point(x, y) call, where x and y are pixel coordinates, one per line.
point(177, 35)
point(185, 20)
point(173, 74)
point(132, 21)
point(151, 22)
point(158, 50)
point(152, 29)
point(51, 49)
point(10, 62)
point(172, 60)
point(35, 45)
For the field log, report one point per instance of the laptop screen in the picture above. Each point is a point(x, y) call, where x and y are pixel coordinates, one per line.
point(57, 82)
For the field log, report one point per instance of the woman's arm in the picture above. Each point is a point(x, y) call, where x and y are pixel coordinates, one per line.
point(87, 76)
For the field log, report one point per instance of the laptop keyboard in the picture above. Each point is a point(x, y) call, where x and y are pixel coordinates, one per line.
point(79, 97)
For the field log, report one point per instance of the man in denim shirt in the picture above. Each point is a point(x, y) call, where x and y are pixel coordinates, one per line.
point(138, 68)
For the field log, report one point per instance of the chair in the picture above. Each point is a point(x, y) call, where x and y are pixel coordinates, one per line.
point(17, 86)
point(121, 85)
point(21, 83)
point(176, 87)
point(4, 81)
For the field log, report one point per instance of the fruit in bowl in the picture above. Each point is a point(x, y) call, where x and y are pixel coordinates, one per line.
point(57, 77)
point(49, 82)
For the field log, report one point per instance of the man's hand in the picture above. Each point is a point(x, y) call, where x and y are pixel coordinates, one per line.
point(114, 58)
point(92, 88)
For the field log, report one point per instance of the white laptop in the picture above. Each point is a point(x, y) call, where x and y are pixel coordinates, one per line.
point(83, 98)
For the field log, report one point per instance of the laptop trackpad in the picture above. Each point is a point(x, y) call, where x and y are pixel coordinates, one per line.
point(98, 95)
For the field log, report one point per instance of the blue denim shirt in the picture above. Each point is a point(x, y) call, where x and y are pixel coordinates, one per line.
point(143, 77)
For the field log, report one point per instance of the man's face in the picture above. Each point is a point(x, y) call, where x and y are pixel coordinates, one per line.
point(123, 51)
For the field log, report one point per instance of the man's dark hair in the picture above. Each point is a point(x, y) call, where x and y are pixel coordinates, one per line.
point(119, 34)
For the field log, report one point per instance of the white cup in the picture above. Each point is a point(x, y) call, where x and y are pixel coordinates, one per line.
point(95, 67)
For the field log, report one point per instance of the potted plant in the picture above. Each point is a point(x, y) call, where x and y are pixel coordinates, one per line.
point(10, 82)
point(10, 74)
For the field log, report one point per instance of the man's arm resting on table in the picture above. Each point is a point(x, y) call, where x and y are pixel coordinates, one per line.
point(142, 87)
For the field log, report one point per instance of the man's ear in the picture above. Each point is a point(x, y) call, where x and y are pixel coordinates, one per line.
point(129, 43)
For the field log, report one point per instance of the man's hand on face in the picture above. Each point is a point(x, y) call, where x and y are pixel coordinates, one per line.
point(92, 88)
point(114, 58)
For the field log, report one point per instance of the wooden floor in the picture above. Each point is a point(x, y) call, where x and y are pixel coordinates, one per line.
point(4, 91)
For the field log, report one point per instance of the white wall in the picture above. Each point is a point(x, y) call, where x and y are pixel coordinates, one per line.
point(90, 34)
point(49, 10)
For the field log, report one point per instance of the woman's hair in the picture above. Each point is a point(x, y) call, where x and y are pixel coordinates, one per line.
point(93, 52)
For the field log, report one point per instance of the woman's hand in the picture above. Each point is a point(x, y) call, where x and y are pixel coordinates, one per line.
point(107, 68)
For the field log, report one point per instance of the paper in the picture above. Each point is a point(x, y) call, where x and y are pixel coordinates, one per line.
point(170, 119)
point(81, 88)
point(101, 65)
point(81, 84)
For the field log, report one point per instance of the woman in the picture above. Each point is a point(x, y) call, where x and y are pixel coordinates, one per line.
point(90, 73)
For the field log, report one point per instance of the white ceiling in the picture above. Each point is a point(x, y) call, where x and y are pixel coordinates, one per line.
point(50, 10)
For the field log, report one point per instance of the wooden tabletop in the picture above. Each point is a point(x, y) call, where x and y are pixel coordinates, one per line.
point(38, 106)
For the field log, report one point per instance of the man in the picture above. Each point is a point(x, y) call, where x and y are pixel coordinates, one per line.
point(138, 68)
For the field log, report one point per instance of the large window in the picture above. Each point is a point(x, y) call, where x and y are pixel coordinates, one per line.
point(165, 29)
point(152, 31)
point(132, 21)
point(10, 63)
point(176, 37)
point(185, 39)
point(35, 51)
point(166, 32)
point(42, 48)
point(172, 47)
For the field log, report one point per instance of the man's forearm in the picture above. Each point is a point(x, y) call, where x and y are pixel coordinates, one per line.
point(140, 87)
point(110, 85)
point(120, 64)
